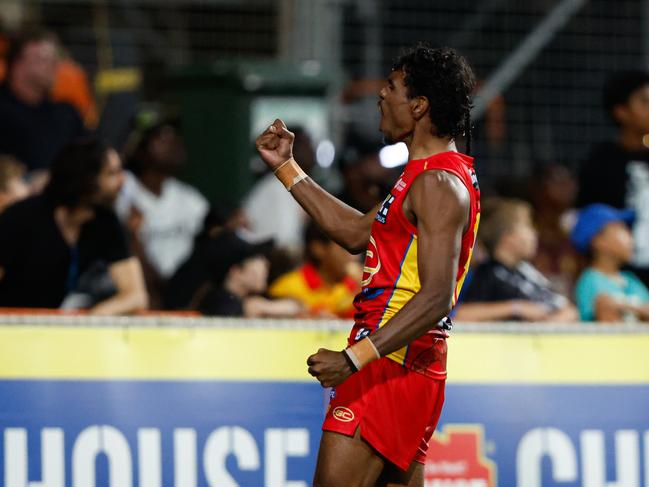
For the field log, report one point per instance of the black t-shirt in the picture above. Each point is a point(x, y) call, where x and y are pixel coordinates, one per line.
point(39, 266)
point(620, 178)
point(219, 302)
point(36, 134)
point(493, 282)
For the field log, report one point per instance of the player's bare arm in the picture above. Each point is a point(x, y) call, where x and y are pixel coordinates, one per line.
point(346, 226)
point(439, 205)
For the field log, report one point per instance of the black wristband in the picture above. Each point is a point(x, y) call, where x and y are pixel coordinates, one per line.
point(350, 362)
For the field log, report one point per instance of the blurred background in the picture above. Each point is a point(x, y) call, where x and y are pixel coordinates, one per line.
point(541, 65)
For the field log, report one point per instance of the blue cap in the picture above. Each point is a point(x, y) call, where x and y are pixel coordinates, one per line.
point(592, 219)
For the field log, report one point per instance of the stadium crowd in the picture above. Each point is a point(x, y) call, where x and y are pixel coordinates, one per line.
point(114, 230)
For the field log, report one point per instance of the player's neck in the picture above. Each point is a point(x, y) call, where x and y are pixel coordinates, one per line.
point(422, 145)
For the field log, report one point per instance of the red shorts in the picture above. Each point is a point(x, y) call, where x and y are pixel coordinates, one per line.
point(397, 410)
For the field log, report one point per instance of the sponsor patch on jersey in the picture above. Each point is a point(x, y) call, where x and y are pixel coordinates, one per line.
point(382, 214)
point(362, 333)
point(400, 185)
point(474, 180)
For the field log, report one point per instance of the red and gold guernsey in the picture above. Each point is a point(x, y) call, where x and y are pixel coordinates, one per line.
point(390, 274)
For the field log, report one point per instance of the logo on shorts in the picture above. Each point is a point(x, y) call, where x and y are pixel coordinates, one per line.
point(456, 456)
point(343, 414)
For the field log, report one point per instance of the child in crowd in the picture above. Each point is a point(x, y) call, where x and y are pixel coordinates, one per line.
point(604, 292)
point(328, 280)
point(507, 286)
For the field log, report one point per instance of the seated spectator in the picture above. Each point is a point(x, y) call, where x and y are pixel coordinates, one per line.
point(617, 172)
point(12, 185)
point(226, 276)
point(366, 181)
point(33, 128)
point(552, 193)
point(507, 286)
point(604, 291)
point(323, 284)
point(163, 214)
point(71, 85)
point(52, 243)
point(4, 48)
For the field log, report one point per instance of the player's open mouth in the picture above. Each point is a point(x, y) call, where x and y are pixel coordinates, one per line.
point(378, 103)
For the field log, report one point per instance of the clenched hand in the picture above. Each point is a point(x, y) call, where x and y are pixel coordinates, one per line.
point(275, 145)
point(329, 367)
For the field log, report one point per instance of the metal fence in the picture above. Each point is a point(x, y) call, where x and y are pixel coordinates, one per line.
point(541, 63)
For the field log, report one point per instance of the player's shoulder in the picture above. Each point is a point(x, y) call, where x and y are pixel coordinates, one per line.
point(440, 184)
point(438, 195)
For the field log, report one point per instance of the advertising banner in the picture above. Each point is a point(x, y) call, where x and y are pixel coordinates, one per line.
point(129, 406)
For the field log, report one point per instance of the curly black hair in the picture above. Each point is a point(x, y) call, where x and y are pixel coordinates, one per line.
point(444, 77)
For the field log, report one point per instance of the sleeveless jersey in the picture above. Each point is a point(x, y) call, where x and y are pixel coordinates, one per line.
point(390, 274)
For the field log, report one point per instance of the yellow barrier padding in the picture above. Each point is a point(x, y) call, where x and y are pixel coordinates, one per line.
point(180, 353)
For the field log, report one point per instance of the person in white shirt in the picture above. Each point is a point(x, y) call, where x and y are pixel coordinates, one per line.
point(162, 213)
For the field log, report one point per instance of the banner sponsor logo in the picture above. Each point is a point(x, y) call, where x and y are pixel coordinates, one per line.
point(456, 458)
point(142, 464)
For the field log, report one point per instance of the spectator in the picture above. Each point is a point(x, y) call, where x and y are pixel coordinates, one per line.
point(226, 276)
point(553, 191)
point(163, 214)
point(617, 173)
point(271, 210)
point(604, 292)
point(33, 128)
point(324, 284)
point(71, 85)
point(12, 184)
point(507, 286)
point(4, 48)
point(366, 181)
point(52, 243)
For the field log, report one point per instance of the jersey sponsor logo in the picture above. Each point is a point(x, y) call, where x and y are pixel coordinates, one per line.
point(456, 458)
point(474, 180)
point(341, 413)
point(362, 333)
point(382, 214)
point(400, 185)
point(372, 262)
